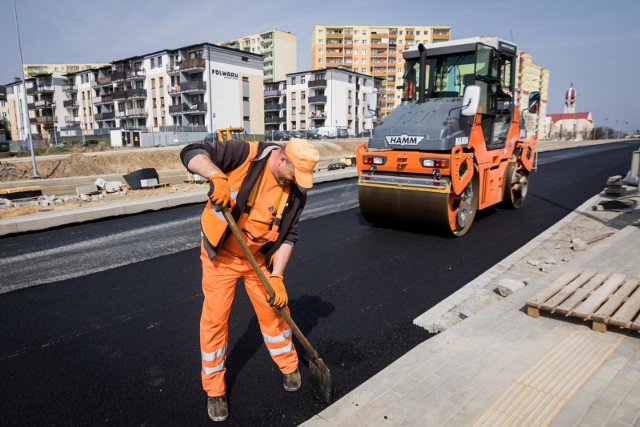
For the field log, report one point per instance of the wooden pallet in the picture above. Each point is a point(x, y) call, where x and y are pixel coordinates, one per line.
point(603, 298)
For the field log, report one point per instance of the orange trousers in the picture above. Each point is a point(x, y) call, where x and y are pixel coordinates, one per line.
point(219, 279)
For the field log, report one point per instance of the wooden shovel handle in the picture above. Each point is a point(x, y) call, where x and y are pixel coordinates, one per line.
point(239, 237)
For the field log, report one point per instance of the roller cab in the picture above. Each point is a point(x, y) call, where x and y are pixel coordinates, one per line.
point(454, 145)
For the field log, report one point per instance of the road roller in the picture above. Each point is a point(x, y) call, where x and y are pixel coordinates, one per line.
point(456, 143)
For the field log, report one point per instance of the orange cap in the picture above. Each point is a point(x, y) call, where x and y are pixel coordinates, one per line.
point(304, 157)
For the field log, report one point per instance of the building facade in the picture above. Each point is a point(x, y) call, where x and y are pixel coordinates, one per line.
point(529, 78)
point(275, 106)
point(328, 97)
point(278, 48)
point(374, 50)
point(195, 88)
point(31, 70)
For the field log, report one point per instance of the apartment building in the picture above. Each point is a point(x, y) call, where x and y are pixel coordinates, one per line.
point(531, 77)
point(40, 113)
point(275, 106)
point(31, 70)
point(278, 48)
point(328, 97)
point(4, 114)
point(193, 88)
point(374, 50)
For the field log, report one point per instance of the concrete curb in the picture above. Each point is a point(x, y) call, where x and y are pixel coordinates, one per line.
point(433, 319)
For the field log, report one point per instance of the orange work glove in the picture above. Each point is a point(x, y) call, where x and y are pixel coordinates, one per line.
point(280, 298)
point(219, 192)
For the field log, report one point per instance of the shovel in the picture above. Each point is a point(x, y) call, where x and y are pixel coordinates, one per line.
point(320, 376)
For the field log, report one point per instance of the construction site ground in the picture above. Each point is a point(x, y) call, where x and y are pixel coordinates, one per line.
point(96, 162)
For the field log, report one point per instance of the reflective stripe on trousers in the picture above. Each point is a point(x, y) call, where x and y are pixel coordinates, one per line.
point(219, 277)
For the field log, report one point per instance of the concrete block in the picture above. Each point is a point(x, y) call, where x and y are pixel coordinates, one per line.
point(86, 189)
point(578, 244)
point(614, 180)
point(113, 186)
point(508, 286)
point(151, 182)
point(100, 183)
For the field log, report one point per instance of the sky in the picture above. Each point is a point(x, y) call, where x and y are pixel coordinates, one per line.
point(594, 44)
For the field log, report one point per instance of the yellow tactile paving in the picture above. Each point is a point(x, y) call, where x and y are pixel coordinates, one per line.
point(536, 396)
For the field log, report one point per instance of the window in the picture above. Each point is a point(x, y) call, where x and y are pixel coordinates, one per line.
point(321, 32)
point(162, 102)
point(417, 32)
point(153, 83)
point(350, 81)
point(355, 61)
point(293, 81)
point(293, 96)
point(153, 62)
point(303, 95)
point(364, 32)
point(320, 41)
point(364, 50)
point(320, 60)
point(303, 79)
point(161, 82)
point(320, 50)
point(159, 61)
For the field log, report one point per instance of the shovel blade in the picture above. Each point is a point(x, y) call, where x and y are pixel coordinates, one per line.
point(321, 378)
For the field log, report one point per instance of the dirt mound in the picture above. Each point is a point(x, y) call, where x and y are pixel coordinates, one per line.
point(10, 172)
point(123, 162)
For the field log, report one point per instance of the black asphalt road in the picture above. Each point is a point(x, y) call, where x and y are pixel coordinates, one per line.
point(120, 346)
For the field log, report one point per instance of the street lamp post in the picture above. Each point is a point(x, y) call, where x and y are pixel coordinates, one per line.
point(24, 97)
point(617, 130)
point(606, 128)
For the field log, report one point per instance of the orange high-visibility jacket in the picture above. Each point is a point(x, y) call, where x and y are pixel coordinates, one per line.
point(243, 163)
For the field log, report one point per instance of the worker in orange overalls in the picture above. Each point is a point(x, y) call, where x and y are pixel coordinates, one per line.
point(265, 185)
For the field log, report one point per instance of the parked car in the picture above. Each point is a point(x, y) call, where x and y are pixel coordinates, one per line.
point(364, 134)
point(296, 134)
point(336, 166)
point(312, 134)
point(277, 135)
point(343, 133)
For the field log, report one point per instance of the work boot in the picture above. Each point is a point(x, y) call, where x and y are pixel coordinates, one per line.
point(292, 381)
point(217, 408)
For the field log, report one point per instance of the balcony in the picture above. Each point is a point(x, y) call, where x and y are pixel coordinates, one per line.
point(98, 100)
point(198, 108)
point(138, 74)
point(72, 120)
point(120, 75)
point(271, 93)
point(194, 64)
point(45, 121)
point(102, 81)
point(31, 90)
point(273, 120)
point(334, 53)
point(136, 93)
point(272, 107)
point(173, 69)
point(45, 88)
point(317, 115)
point(105, 116)
point(44, 103)
point(70, 103)
point(69, 88)
point(318, 99)
point(119, 94)
point(318, 83)
point(133, 113)
point(175, 109)
point(193, 86)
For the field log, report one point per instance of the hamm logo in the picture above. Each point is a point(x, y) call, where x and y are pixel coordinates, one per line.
point(404, 140)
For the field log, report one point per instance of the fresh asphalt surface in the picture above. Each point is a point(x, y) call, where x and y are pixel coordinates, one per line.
point(119, 346)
